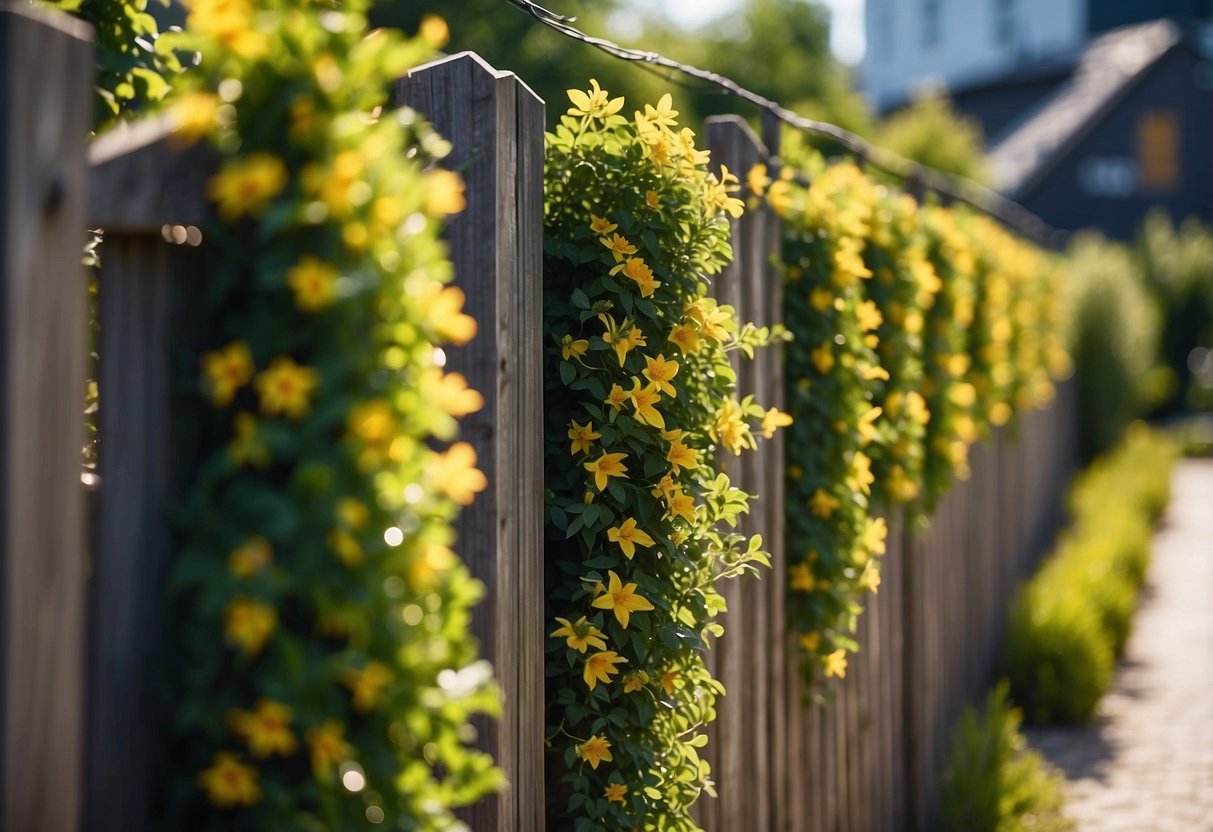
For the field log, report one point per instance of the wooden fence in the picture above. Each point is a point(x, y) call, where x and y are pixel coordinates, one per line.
point(80, 741)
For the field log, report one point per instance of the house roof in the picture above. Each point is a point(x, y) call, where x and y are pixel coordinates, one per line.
point(1110, 65)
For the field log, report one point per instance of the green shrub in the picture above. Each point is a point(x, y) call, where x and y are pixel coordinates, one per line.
point(995, 783)
point(1114, 337)
point(1074, 617)
point(1059, 658)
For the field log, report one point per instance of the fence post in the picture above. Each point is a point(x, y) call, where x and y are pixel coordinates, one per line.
point(46, 66)
point(495, 125)
point(147, 194)
point(749, 750)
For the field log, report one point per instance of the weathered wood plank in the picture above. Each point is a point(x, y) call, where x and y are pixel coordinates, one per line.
point(46, 102)
point(495, 125)
point(147, 299)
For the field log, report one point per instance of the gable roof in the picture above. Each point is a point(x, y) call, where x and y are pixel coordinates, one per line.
point(1110, 66)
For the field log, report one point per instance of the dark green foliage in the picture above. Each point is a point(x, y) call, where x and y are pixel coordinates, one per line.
point(993, 781)
point(1071, 621)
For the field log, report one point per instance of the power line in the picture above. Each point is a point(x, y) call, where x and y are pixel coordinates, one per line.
point(949, 186)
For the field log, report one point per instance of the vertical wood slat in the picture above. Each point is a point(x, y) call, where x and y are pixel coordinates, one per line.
point(495, 125)
point(138, 182)
point(748, 751)
point(45, 102)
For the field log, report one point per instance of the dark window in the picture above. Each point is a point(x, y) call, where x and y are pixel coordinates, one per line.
point(932, 22)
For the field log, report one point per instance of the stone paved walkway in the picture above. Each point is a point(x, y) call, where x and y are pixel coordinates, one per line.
point(1147, 763)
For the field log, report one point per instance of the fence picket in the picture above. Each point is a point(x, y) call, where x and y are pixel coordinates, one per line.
point(495, 125)
point(45, 103)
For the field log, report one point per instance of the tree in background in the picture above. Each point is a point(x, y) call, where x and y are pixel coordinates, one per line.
point(931, 132)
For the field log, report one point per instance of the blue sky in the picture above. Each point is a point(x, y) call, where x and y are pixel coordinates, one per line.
point(846, 36)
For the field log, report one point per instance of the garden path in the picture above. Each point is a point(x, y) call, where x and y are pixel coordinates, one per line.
point(1146, 765)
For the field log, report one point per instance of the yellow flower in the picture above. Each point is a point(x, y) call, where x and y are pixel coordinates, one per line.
point(579, 635)
point(266, 728)
point(573, 349)
point(800, 577)
point(664, 488)
point(730, 429)
point(874, 535)
point(823, 504)
point(629, 537)
point(681, 505)
point(622, 338)
point(245, 447)
point(434, 31)
point(680, 456)
point(772, 420)
point(455, 474)
point(230, 22)
point(615, 793)
point(686, 339)
point(661, 372)
point(193, 115)
point(821, 298)
point(619, 247)
point(663, 115)
point(227, 370)
point(229, 783)
point(621, 599)
point(601, 225)
point(962, 394)
point(595, 750)
point(867, 431)
point(605, 467)
point(255, 554)
point(286, 387)
point(595, 103)
point(667, 681)
point(366, 685)
point(717, 193)
point(334, 185)
point(618, 397)
point(353, 514)
point(443, 193)
point(248, 624)
point(653, 200)
point(869, 316)
point(633, 682)
point(328, 747)
point(449, 392)
point(757, 179)
point(836, 664)
point(862, 478)
point(348, 550)
point(870, 578)
point(710, 317)
point(374, 424)
point(312, 281)
point(823, 358)
point(644, 400)
point(600, 667)
point(582, 436)
point(442, 307)
point(636, 270)
point(245, 186)
point(810, 641)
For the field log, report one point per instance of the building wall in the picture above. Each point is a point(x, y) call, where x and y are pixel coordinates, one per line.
point(912, 43)
point(1109, 14)
point(1154, 150)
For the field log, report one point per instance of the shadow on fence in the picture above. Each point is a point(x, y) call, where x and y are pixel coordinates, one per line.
point(866, 762)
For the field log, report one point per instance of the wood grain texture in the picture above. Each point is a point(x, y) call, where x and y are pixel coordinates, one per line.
point(45, 104)
point(147, 292)
point(495, 125)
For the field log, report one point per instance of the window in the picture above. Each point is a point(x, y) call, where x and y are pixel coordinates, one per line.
point(1004, 22)
point(1158, 149)
point(932, 22)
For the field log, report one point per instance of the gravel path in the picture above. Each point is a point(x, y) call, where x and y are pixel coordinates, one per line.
point(1147, 763)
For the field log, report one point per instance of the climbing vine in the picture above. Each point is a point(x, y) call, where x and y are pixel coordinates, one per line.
point(323, 675)
point(917, 329)
point(641, 411)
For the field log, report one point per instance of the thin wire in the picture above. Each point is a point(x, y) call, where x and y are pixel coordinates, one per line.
point(949, 186)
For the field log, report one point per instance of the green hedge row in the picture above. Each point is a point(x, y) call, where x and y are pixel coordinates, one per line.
point(1071, 621)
